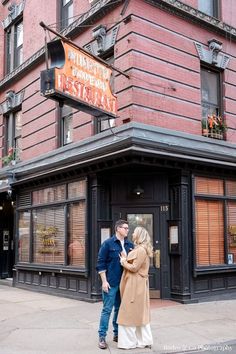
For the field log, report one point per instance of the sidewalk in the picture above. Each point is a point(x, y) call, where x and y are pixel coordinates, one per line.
point(34, 323)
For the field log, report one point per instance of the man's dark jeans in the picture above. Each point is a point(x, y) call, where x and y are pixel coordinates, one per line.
point(110, 300)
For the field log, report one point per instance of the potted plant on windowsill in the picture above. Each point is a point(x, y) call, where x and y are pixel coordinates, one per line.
point(10, 158)
point(213, 127)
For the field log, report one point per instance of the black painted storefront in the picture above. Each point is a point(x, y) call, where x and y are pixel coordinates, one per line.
point(165, 175)
point(6, 236)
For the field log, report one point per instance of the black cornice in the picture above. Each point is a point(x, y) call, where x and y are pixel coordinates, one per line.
point(187, 12)
point(129, 139)
point(96, 11)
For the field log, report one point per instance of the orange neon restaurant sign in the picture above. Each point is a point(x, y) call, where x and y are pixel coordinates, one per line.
point(78, 80)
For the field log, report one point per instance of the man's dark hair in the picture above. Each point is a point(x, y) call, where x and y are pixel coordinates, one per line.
point(120, 223)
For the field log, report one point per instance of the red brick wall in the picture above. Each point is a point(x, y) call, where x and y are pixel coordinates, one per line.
point(164, 87)
point(157, 50)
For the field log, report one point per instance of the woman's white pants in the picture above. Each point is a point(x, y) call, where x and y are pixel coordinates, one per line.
point(134, 337)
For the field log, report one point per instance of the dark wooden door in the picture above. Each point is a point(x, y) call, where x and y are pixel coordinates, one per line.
point(148, 217)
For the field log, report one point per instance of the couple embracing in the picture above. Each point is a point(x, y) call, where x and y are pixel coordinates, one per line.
point(123, 267)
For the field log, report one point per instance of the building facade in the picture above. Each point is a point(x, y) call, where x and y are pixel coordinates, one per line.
point(166, 161)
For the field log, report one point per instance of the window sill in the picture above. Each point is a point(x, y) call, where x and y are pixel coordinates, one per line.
point(52, 269)
point(207, 134)
point(215, 269)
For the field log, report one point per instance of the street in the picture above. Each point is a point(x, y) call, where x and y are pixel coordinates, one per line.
point(35, 323)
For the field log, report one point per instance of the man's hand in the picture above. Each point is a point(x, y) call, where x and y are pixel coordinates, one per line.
point(105, 286)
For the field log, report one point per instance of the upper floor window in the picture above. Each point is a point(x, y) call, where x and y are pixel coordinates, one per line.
point(66, 118)
point(104, 122)
point(213, 124)
point(66, 13)
point(210, 7)
point(210, 92)
point(14, 46)
point(18, 45)
point(13, 146)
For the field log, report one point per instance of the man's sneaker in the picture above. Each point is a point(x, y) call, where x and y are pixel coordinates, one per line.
point(102, 344)
point(115, 338)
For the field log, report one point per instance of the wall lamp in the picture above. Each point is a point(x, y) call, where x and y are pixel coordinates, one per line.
point(138, 190)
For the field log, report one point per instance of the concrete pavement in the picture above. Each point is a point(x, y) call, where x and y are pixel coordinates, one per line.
point(34, 323)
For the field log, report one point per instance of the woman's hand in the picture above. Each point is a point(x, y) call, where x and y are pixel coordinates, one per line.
point(122, 258)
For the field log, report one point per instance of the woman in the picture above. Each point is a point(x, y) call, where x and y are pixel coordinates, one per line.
point(134, 315)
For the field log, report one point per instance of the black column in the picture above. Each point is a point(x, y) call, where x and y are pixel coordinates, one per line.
point(180, 195)
point(93, 233)
point(99, 217)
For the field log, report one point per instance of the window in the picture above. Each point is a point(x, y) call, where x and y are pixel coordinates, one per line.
point(215, 221)
point(76, 246)
point(18, 44)
point(145, 220)
point(24, 232)
point(14, 46)
point(210, 7)
point(17, 144)
point(58, 218)
point(49, 195)
point(210, 92)
point(213, 124)
point(66, 13)
point(210, 232)
point(104, 122)
point(66, 117)
point(8, 50)
point(48, 235)
point(13, 147)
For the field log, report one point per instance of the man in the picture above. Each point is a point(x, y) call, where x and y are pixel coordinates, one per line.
point(110, 271)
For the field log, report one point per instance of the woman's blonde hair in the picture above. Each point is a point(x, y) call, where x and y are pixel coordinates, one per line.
point(142, 237)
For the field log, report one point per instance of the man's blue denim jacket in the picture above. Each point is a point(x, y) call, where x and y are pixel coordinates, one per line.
point(109, 260)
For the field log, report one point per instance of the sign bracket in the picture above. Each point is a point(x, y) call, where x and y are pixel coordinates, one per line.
point(65, 39)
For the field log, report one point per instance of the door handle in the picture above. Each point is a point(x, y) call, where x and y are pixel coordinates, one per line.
point(157, 259)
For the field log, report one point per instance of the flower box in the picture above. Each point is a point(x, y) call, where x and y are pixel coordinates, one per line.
point(213, 127)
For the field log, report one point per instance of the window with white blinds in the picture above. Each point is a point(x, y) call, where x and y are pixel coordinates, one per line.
point(76, 244)
point(54, 211)
point(24, 236)
point(209, 232)
point(215, 221)
point(231, 231)
point(49, 235)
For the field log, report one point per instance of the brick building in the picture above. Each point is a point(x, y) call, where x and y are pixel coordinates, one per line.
point(167, 161)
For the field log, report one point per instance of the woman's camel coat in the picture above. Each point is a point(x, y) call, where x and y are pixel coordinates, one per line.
point(134, 289)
